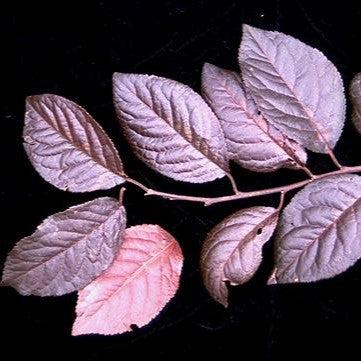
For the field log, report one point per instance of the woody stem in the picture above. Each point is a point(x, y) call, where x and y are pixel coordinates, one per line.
point(241, 195)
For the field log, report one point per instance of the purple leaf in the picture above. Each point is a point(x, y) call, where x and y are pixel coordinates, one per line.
point(170, 127)
point(251, 141)
point(295, 87)
point(68, 250)
point(319, 232)
point(232, 250)
point(355, 92)
point(135, 288)
point(68, 147)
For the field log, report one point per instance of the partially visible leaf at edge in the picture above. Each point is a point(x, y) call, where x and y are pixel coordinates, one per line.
point(355, 92)
point(251, 141)
point(319, 232)
point(68, 250)
point(295, 87)
point(170, 127)
point(142, 279)
point(68, 147)
point(232, 250)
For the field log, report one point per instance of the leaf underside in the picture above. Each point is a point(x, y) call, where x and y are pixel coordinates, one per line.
point(142, 279)
point(67, 146)
point(319, 232)
point(355, 92)
point(233, 249)
point(251, 141)
point(296, 88)
point(68, 250)
point(170, 127)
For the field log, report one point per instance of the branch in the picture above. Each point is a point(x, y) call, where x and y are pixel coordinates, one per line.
point(240, 195)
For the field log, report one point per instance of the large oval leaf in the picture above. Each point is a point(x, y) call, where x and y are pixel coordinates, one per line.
point(68, 250)
point(251, 141)
point(232, 251)
point(136, 287)
point(295, 87)
point(319, 233)
point(68, 147)
point(355, 92)
point(170, 127)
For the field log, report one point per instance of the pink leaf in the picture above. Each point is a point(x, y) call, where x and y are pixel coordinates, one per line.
point(232, 250)
point(296, 87)
point(355, 92)
point(68, 250)
point(137, 286)
point(68, 147)
point(319, 230)
point(251, 141)
point(170, 127)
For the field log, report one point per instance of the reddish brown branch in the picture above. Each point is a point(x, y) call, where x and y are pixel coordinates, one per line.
point(241, 195)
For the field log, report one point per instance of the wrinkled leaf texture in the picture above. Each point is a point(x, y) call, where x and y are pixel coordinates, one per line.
point(142, 279)
point(296, 88)
point(68, 147)
point(251, 141)
point(170, 127)
point(68, 250)
point(355, 92)
point(319, 232)
point(232, 250)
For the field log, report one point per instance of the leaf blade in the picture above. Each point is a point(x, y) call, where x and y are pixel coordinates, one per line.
point(355, 92)
point(68, 249)
point(233, 249)
point(317, 238)
point(67, 147)
point(250, 140)
point(170, 127)
point(148, 255)
point(296, 87)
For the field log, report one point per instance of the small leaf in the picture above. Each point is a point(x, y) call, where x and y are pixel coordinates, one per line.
point(251, 141)
point(136, 287)
point(319, 233)
point(295, 87)
point(355, 92)
point(68, 147)
point(170, 127)
point(68, 250)
point(232, 250)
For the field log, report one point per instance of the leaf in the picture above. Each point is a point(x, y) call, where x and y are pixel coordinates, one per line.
point(68, 250)
point(232, 250)
point(251, 141)
point(68, 147)
point(295, 87)
point(319, 233)
point(170, 127)
point(137, 286)
point(355, 92)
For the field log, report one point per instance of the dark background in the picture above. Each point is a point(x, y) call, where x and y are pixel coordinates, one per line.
point(56, 47)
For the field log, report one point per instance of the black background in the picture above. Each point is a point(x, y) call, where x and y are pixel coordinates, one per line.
point(56, 47)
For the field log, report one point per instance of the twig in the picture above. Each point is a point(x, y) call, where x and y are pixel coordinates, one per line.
point(334, 159)
point(241, 195)
point(233, 183)
point(121, 195)
point(308, 172)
